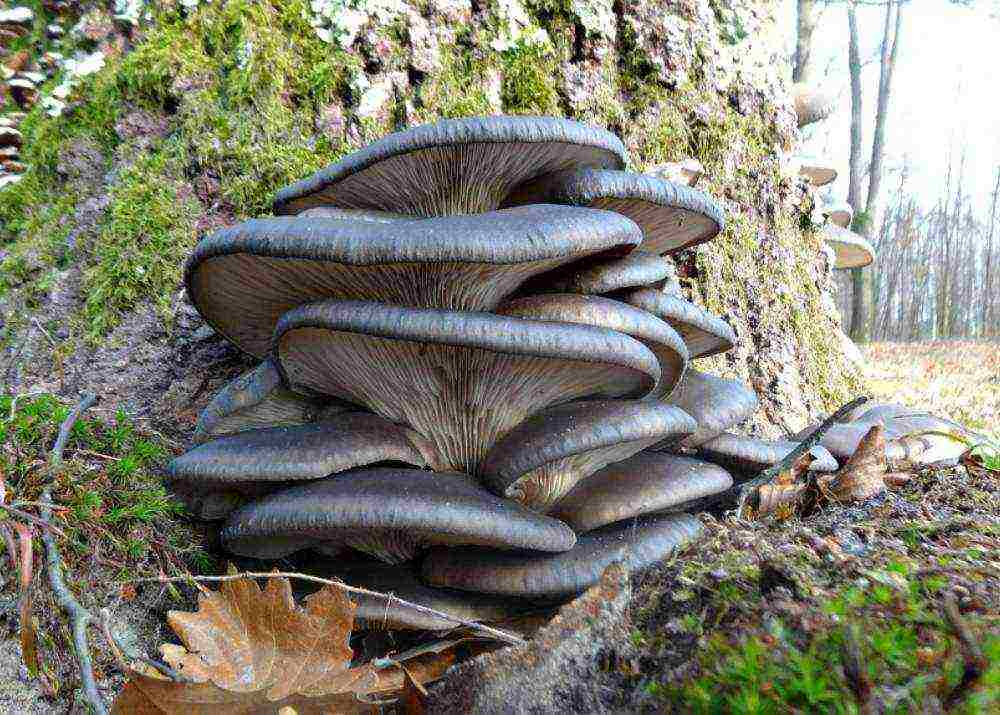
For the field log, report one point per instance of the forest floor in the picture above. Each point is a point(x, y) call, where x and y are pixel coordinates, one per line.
point(756, 617)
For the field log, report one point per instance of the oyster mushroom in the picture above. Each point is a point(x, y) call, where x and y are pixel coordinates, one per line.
point(541, 459)
point(716, 403)
point(811, 104)
point(355, 215)
point(672, 217)
point(253, 400)
point(657, 335)
point(460, 379)
point(750, 456)
point(839, 213)
point(391, 514)
point(850, 250)
point(704, 334)
point(454, 166)
point(401, 581)
point(638, 542)
point(645, 483)
point(639, 268)
point(818, 172)
point(243, 278)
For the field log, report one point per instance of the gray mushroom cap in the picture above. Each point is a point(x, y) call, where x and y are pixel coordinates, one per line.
point(716, 403)
point(704, 334)
point(254, 400)
point(401, 581)
point(302, 452)
point(639, 268)
point(391, 514)
point(332, 212)
point(645, 483)
point(672, 216)
point(638, 543)
point(811, 104)
point(243, 278)
point(850, 249)
point(749, 455)
point(460, 379)
point(657, 335)
point(541, 459)
point(454, 166)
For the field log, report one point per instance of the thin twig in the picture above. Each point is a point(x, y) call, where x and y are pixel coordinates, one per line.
point(121, 649)
point(479, 627)
point(30, 518)
point(78, 615)
point(751, 487)
point(974, 662)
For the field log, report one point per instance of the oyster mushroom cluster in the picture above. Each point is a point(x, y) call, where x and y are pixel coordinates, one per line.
point(470, 369)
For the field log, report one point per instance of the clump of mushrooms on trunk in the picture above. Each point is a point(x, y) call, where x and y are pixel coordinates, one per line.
point(471, 370)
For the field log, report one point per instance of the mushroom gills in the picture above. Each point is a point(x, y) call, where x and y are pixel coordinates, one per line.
point(541, 459)
point(460, 379)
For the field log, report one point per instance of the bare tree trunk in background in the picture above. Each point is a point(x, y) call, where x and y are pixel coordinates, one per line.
point(863, 296)
point(986, 327)
point(807, 20)
point(854, 182)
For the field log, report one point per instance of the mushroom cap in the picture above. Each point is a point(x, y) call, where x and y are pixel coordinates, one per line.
point(811, 104)
point(639, 543)
point(639, 268)
point(818, 172)
point(255, 399)
point(850, 250)
point(703, 333)
point(391, 514)
point(302, 452)
point(716, 403)
point(839, 213)
point(541, 459)
point(454, 166)
point(460, 379)
point(672, 216)
point(645, 483)
point(243, 278)
point(401, 581)
point(749, 455)
point(657, 335)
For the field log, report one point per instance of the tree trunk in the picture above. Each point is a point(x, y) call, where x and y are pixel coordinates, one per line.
point(858, 291)
point(807, 20)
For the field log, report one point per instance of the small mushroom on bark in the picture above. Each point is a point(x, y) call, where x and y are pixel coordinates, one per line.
point(672, 217)
point(654, 333)
point(254, 400)
point(266, 267)
point(391, 514)
point(454, 166)
point(460, 379)
point(541, 459)
point(818, 172)
point(811, 104)
point(716, 403)
point(839, 213)
point(704, 334)
point(639, 543)
point(645, 483)
point(750, 456)
point(850, 250)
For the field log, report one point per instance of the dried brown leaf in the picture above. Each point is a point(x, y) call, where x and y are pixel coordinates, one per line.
point(414, 697)
point(26, 624)
point(253, 650)
point(864, 474)
point(780, 497)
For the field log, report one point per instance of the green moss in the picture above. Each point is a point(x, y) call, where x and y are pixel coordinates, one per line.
point(460, 88)
point(147, 232)
point(529, 80)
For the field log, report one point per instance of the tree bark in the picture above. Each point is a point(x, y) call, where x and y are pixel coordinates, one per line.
point(858, 292)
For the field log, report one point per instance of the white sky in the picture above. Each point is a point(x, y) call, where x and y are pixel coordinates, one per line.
point(946, 89)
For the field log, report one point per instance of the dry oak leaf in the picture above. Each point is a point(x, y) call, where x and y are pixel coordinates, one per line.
point(864, 474)
point(252, 651)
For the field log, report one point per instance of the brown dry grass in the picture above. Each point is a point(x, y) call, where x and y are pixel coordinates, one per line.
point(959, 379)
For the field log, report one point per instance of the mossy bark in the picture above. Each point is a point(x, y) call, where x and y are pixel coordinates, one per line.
point(232, 100)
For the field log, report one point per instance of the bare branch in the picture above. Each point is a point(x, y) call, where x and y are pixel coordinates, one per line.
point(974, 662)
